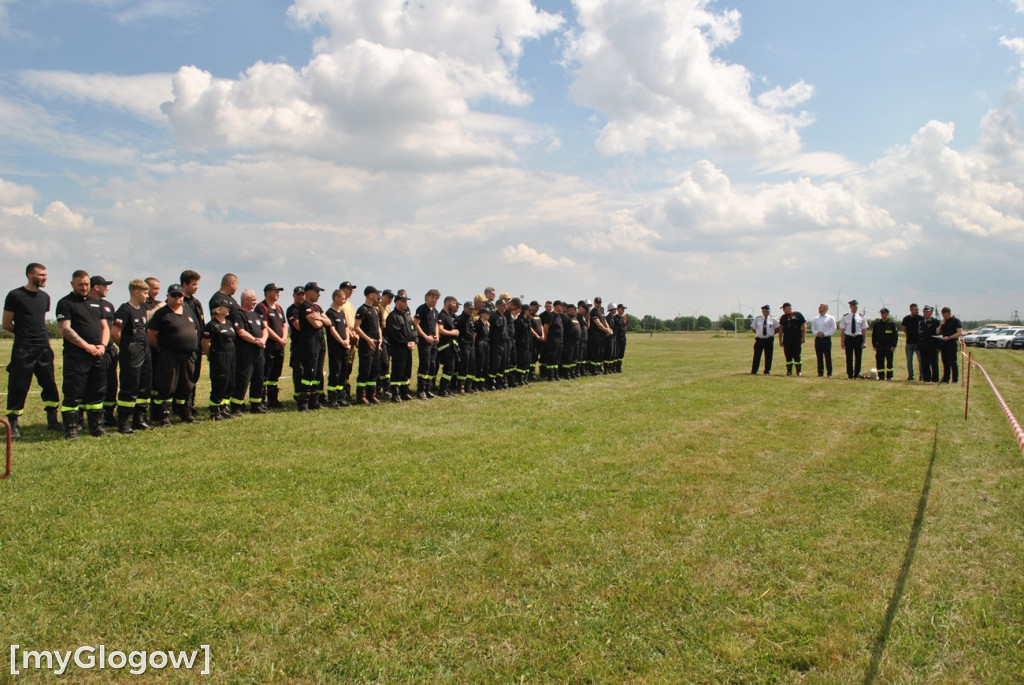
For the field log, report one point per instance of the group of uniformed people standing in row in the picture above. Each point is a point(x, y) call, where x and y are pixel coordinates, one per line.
point(925, 338)
point(494, 343)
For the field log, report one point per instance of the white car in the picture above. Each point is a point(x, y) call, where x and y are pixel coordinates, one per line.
point(977, 338)
point(1002, 338)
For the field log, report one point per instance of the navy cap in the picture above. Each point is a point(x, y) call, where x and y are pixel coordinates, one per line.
point(387, 293)
point(298, 290)
point(853, 302)
point(312, 285)
point(368, 289)
point(99, 280)
point(175, 289)
point(765, 308)
point(347, 284)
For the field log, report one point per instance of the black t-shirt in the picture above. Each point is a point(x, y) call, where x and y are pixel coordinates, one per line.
point(582, 318)
point(195, 309)
point(791, 324)
point(911, 323)
point(446, 321)
point(174, 331)
point(250, 322)
point(555, 329)
point(367, 319)
point(949, 327)
point(29, 316)
point(132, 322)
point(85, 315)
point(220, 335)
point(309, 339)
point(273, 318)
point(428, 318)
point(220, 299)
point(338, 323)
point(571, 324)
point(464, 324)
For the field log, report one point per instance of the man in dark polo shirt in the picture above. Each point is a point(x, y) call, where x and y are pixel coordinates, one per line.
point(277, 339)
point(368, 330)
point(172, 331)
point(189, 281)
point(25, 316)
point(86, 335)
point(98, 289)
point(911, 322)
point(250, 342)
point(310, 347)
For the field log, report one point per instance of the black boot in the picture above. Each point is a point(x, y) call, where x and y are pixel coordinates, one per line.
point(272, 398)
point(215, 413)
point(394, 394)
point(257, 408)
point(184, 413)
point(404, 394)
point(124, 421)
point(70, 424)
point(95, 417)
point(332, 399)
point(315, 400)
point(421, 389)
point(109, 416)
point(302, 401)
point(13, 420)
point(225, 411)
point(139, 418)
point(52, 422)
point(163, 415)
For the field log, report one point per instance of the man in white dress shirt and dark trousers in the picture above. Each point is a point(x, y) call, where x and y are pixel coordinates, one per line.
point(823, 328)
point(764, 327)
point(852, 339)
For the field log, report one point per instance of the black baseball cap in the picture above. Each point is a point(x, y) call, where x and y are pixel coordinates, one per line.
point(786, 304)
point(367, 290)
point(347, 284)
point(312, 285)
point(387, 293)
point(299, 289)
point(175, 289)
point(272, 286)
point(99, 280)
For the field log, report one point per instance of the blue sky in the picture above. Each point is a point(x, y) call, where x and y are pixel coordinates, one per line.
point(676, 156)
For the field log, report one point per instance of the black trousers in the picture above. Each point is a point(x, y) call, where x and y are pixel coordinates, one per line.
point(311, 363)
point(428, 362)
point(930, 365)
point(765, 346)
point(854, 352)
point(369, 367)
point(497, 363)
point(222, 376)
point(26, 362)
point(552, 354)
point(248, 374)
point(483, 360)
point(446, 359)
point(792, 348)
point(401, 366)
point(85, 380)
point(823, 352)
point(884, 362)
point(273, 365)
point(110, 397)
point(385, 361)
point(172, 378)
point(337, 367)
point(568, 354)
point(950, 361)
point(136, 375)
point(467, 361)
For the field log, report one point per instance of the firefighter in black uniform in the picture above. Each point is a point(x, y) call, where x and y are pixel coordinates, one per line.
point(250, 341)
point(368, 330)
point(338, 346)
point(426, 328)
point(448, 345)
point(25, 311)
point(599, 330)
point(86, 336)
point(401, 337)
point(219, 348)
point(482, 335)
point(793, 333)
point(172, 331)
point(98, 288)
point(291, 315)
point(570, 342)
point(310, 346)
point(497, 363)
point(583, 315)
point(537, 336)
point(277, 339)
point(384, 379)
point(467, 349)
point(189, 281)
point(928, 345)
point(129, 333)
point(621, 328)
point(884, 337)
point(150, 305)
point(554, 333)
point(522, 327)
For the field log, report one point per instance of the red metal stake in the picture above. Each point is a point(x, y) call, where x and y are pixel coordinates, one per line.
point(967, 383)
point(7, 428)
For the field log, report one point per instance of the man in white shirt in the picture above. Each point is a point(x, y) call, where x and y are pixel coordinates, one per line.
point(764, 327)
point(823, 328)
point(852, 339)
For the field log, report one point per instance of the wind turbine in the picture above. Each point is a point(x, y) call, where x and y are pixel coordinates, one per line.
point(837, 309)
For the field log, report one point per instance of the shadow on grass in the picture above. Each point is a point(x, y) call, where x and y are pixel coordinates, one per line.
point(901, 582)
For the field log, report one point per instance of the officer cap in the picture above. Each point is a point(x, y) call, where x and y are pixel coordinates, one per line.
point(312, 285)
point(387, 293)
point(853, 302)
point(272, 286)
point(485, 310)
point(369, 289)
point(298, 290)
point(786, 304)
point(347, 284)
point(99, 280)
point(765, 308)
point(929, 308)
point(175, 289)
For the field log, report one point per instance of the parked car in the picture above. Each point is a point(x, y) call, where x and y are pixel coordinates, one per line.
point(977, 338)
point(1018, 341)
point(1003, 338)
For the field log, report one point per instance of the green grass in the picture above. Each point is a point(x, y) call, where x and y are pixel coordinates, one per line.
point(681, 522)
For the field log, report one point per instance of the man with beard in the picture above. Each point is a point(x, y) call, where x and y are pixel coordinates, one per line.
point(86, 335)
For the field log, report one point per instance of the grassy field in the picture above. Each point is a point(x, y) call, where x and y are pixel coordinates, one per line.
point(681, 522)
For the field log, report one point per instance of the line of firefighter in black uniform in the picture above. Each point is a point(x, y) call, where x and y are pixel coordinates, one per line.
point(493, 343)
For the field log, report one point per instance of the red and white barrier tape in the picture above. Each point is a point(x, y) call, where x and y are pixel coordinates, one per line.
point(1018, 432)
